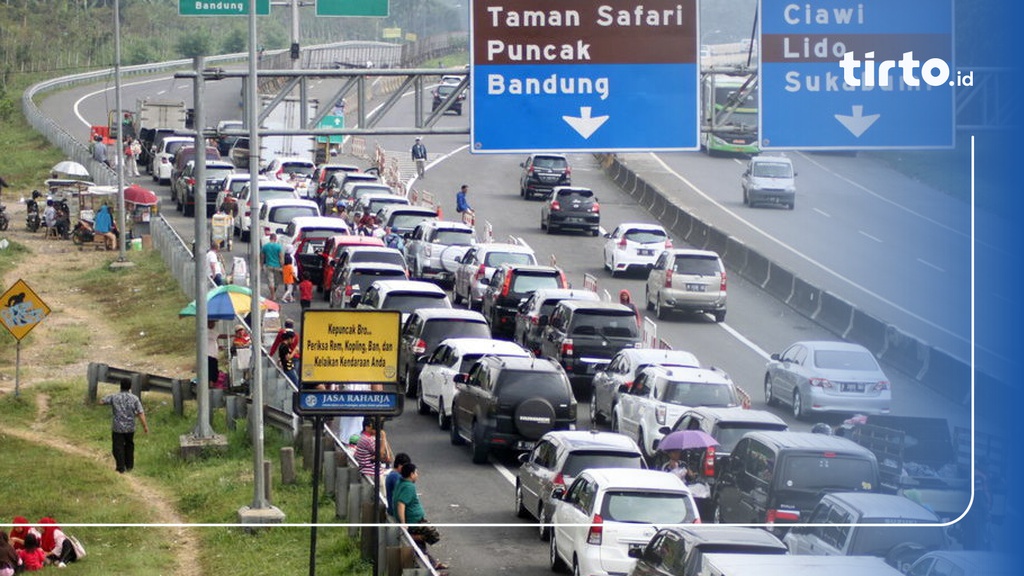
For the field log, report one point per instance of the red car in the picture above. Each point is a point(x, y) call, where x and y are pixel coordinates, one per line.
point(332, 249)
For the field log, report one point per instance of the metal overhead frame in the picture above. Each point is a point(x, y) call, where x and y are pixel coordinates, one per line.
point(749, 85)
point(413, 78)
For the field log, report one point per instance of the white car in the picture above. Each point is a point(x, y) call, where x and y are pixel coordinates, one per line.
point(163, 158)
point(435, 247)
point(404, 296)
point(268, 190)
point(276, 215)
point(634, 245)
point(374, 202)
point(608, 511)
point(660, 395)
point(296, 171)
point(477, 265)
point(455, 356)
point(318, 227)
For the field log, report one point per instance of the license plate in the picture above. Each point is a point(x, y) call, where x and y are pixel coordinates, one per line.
point(644, 252)
point(696, 287)
point(524, 445)
point(852, 387)
point(574, 220)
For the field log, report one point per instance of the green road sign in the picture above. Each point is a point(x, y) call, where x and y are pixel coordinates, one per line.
point(337, 122)
point(221, 7)
point(377, 8)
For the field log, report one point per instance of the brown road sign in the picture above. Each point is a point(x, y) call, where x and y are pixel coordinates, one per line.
point(21, 310)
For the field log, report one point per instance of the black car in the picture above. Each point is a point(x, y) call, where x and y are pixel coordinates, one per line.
point(216, 171)
point(542, 173)
point(679, 550)
point(442, 92)
point(509, 287)
point(571, 208)
point(510, 403)
point(428, 327)
point(584, 336)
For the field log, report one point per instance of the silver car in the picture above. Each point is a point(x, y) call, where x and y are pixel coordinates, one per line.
point(435, 247)
point(827, 377)
point(473, 274)
point(687, 281)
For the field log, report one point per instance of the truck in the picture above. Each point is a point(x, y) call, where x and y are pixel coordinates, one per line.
point(287, 115)
point(728, 115)
point(154, 116)
point(919, 458)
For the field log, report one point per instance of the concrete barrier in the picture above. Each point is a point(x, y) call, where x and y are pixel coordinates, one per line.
point(757, 268)
point(835, 314)
point(779, 283)
point(903, 351)
point(806, 299)
point(867, 331)
point(698, 236)
point(735, 257)
point(947, 375)
point(717, 241)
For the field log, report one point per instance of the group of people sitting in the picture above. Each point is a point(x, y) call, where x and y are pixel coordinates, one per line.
point(29, 548)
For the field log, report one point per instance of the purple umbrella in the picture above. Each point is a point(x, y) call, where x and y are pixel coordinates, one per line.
point(686, 439)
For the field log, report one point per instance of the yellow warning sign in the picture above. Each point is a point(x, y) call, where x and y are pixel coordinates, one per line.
point(350, 346)
point(21, 309)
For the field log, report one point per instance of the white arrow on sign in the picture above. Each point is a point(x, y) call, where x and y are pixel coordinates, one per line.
point(858, 123)
point(583, 123)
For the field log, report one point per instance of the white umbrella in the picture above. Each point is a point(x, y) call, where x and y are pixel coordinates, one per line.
point(70, 169)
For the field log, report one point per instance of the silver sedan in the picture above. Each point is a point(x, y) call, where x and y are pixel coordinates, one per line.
point(827, 377)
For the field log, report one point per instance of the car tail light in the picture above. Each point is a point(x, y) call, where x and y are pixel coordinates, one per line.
point(721, 286)
point(568, 170)
point(481, 271)
point(622, 243)
point(190, 181)
point(668, 244)
point(668, 278)
point(784, 515)
point(659, 414)
point(882, 385)
point(565, 283)
point(696, 520)
point(534, 320)
point(555, 206)
point(709, 462)
point(595, 207)
point(419, 347)
point(596, 532)
point(530, 171)
point(348, 291)
point(819, 382)
point(558, 481)
point(567, 347)
point(506, 285)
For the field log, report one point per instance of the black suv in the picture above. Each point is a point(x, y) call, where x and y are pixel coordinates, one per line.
point(442, 92)
point(778, 477)
point(425, 329)
point(510, 403)
point(584, 336)
point(571, 209)
point(541, 173)
point(509, 287)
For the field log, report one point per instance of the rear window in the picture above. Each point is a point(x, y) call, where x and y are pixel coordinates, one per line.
point(217, 173)
point(278, 194)
point(645, 236)
point(609, 324)
point(409, 221)
point(812, 473)
point(647, 507)
point(550, 163)
point(698, 394)
point(579, 461)
point(437, 330)
point(408, 303)
point(495, 259)
point(773, 170)
point(453, 237)
point(285, 214)
point(845, 360)
point(729, 435)
point(318, 234)
point(574, 193)
point(527, 383)
point(297, 168)
point(696, 265)
point(363, 279)
point(374, 256)
point(523, 283)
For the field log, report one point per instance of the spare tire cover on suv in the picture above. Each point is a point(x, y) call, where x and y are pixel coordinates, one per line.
point(534, 417)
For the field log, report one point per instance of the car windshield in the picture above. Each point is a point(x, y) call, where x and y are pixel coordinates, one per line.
point(772, 170)
point(172, 147)
point(385, 257)
point(363, 278)
point(445, 89)
point(378, 203)
point(579, 461)
point(645, 236)
point(285, 214)
point(278, 194)
point(318, 234)
point(845, 360)
point(442, 328)
point(451, 237)
point(698, 394)
point(408, 222)
point(696, 265)
point(408, 303)
point(605, 323)
point(550, 163)
point(495, 259)
point(297, 168)
point(527, 383)
point(879, 541)
point(647, 507)
point(237, 184)
point(810, 473)
point(524, 283)
point(729, 434)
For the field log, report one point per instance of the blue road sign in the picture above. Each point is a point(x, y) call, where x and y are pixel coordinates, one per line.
point(578, 76)
point(347, 403)
point(823, 67)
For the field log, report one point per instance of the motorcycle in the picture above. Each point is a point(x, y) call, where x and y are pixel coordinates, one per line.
point(32, 218)
point(4, 220)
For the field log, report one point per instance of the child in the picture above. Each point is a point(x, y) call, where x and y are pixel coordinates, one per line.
point(32, 556)
point(288, 275)
point(305, 292)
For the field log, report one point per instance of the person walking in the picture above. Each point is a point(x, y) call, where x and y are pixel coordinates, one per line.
point(131, 166)
point(125, 408)
point(305, 292)
point(99, 151)
point(288, 274)
point(136, 154)
point(286, 353)
point(461, 203)
point(626, 299)
point(272, 258)
point(409, 511)
point(213, 262)
point(419, 155)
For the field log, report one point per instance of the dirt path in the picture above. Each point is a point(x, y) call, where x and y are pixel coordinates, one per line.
point(44, 270)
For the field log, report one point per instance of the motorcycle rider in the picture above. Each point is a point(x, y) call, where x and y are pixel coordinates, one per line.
point(32, 211)
point(50, 215)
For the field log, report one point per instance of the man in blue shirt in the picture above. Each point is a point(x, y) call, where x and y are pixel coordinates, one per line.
point(272, 255)
point(461, 204)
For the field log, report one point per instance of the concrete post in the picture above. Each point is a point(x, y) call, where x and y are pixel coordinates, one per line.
point(341, 492)
point(329, 469)
point(268, 477)
point(306, 435)
point(287, 465)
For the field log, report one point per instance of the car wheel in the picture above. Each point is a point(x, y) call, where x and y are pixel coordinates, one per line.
point(798, 405)
point(456, 440)
point(410, 386)
point(595, 415)
point(556, 563)
point(647, 299)
point(543, 225)
point(792, 205)
point(575, 567)
point(479, 446)
point(521, 511)
point(769, 391)
point(595, 232)
point(716, 515)
point(421, 406)
point(659, 310)
point(543, 530)
point(444, 421)
point(719, 316)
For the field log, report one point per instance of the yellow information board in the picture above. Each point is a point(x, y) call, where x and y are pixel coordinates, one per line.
point(350, 346)
point(21, 310)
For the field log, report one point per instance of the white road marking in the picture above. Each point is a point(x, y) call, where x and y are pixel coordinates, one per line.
point(78, 102)
point(930, 265)
point(822, 212)
point(863, 233)
point(505, 472)
point(745, 341)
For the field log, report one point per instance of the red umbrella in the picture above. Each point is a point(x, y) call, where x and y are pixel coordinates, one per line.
point(138, 195)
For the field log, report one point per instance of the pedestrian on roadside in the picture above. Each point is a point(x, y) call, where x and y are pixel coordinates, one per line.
point(305, 292)
point(367, 450)
point(213, 262)
point(288, 274)
point(419, 155)
point(626, 299)
point(136, 154)
point(131, 166)
point(461, 202)
point(409, 511)
point(212, 354)
point(286, 355)
point(272, 258)
point(99, 151)
point(393, 478)
point(125, 408)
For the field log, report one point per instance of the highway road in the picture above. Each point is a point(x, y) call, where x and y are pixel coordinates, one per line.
point(454, 490)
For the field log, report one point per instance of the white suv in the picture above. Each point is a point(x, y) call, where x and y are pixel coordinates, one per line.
point(474, 270)
point(163, 158)
point(661, 394)
point(435, 247)
point(606, 512)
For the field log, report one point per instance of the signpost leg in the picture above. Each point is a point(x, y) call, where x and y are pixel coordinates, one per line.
point(376, 496)
point(318, 426)
point(17, 368)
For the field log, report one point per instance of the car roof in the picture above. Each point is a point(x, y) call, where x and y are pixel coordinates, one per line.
point(277, 202)
point(503, 247)
point(877, 507)
point(974, 562)
point(375, 266)
point(273, 185)
point(529, 363)
point(641, 226)
point(486, 346)
point(574, 305)
point(355, 240)
point(566, 294)
point(530, 268)
point(293, 160)
point(771, 158)
point(327, 222)
point(690, 374)
point(689, 252)
point(408, 286)
point(450, 313)
point(378, 195)
point(370, 247)
point(548, 155)
point(632, 479)
point(743, 536)
point(448, 225)
point(593, 440)
point(661, 356)
point(802, 565)
point(833, 345)
point(409, 209)
point(738, 415)
point(808, 441)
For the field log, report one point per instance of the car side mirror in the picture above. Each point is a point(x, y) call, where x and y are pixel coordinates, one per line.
point(524, 457)
point(775, 357)
point(558, 493)
point(665, 430)
point(354, 300)
point(460, 378)
point(635, 553)
point(544, 320)
point(485, 281)
point(623, 389)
